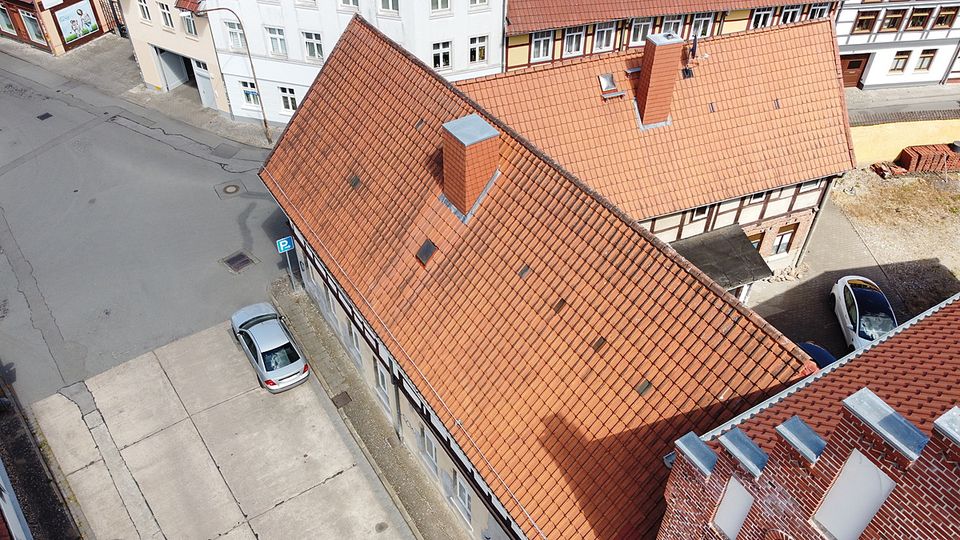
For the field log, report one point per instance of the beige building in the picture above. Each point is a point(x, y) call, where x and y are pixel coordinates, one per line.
point(55, 26)
point(175, 51)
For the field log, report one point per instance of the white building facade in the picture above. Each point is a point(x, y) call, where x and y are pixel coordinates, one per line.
point(889, 43)
point(288, 41)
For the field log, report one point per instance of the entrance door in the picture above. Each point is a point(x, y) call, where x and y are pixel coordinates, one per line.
point(204, 86)
point(852, 67)
point(174, 72)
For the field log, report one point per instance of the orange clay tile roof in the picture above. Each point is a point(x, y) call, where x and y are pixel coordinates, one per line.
point(916, 371)
point(188, 5)
point(517, 382)
point(524, 16)
point(703, 157)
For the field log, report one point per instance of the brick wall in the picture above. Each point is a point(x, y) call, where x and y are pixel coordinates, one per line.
point(770, 227)
point(925, 504)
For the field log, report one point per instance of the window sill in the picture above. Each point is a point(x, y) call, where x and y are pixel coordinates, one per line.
point(773, 257)
point(191, 36)
point(443, 14)
point(389, 14)
point(147, 22)
point(479, 9)
point(278, 56)
point(571, 55)
point(539, 60)
point(347, 9)
point(311, 6)
point(169, 29)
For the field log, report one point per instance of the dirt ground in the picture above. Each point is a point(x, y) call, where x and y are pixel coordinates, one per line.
point(911, 224)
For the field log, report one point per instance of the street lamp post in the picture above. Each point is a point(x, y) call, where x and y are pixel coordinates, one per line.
point(246, 48)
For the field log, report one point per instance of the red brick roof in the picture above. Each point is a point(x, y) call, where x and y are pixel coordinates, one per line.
point(747, 145)
point(524, 16)
point(545, 408)
point(916, 371)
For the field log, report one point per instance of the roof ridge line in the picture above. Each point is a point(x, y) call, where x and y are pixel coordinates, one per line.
point(671, 253)
point(807, 381)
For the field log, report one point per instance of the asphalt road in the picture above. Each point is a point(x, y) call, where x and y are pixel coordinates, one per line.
point(113, 229)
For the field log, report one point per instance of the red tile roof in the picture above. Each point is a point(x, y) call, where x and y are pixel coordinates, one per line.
point(188, 5)
point(554, 425)
point(748, 145)
point(524, 16)
point(916, 371)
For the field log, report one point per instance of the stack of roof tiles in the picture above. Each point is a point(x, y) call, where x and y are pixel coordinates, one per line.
point(564, 384)
point(524, 16)
point(764, 109)
point(929, 157)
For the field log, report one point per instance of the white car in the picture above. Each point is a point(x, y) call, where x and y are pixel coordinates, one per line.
point(864, 313)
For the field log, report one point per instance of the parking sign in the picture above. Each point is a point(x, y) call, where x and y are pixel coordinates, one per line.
point(284, 244)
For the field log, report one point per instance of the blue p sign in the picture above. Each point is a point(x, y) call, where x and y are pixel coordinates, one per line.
point(284, 244)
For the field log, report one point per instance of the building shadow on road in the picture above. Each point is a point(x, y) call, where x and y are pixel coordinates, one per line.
point(803, 311)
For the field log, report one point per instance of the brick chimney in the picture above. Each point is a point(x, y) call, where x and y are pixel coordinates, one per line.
point(658, 74)
point(471, 152)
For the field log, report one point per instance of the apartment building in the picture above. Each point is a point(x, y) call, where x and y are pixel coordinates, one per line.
point(529, 341)
point(736, 139)
point(544, 31)
point(54, 26)
point(288, 40)
point(867, 449)
point(886, 43)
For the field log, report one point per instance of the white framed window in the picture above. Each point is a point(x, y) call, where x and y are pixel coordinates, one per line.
point(441, 55)
point(542, 47)
point(732, 510)
point(165, 14)
point(390, 5)
point(350, 4)
point(288, 100)
point(478, 4)
point(382, 378)
point(819, 11)
point(144, 9)
point(672, 24)
point(428, 447)
point(699, 213)
point(640, 29)
point(439, 6)
point(478, 50)
point(354, 340)
point(312, 47)
point(6, 23)
point(702, 24)
point(276, 41)
point(809, 186)
point(790, 14)
point(784, 239)
point(854, 498)
point(189, 25)
point(251, 97)
point(603, 36)
point(235, 36)
point(758, 197)
point(761, 18)
point(462, 496)
point(33, 27)
point(573, 41)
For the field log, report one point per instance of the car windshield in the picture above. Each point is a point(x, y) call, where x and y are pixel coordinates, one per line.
point(876, 319)
point(280, 357)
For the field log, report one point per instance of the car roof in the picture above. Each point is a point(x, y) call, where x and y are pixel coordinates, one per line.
point(268, 334)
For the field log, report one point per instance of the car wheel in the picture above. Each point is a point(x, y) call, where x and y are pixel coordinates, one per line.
point(833, 299)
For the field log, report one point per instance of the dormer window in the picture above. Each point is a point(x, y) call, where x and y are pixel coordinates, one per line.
point(853, 499)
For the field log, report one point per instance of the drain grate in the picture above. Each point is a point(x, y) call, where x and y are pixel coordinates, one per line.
point(341, 400)
point(238, 261)
point(44, 116)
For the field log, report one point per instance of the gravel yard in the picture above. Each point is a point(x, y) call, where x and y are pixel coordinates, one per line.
point(911, 225)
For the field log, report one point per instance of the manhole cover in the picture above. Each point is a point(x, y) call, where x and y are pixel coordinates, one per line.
point(44, 116)
point(238, 261)
point(340, 400)
point(229, 189)
point(382, 526)
point(225, 150)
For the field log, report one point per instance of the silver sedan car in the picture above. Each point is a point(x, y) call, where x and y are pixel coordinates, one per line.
point(262, 335)
point(864, 313)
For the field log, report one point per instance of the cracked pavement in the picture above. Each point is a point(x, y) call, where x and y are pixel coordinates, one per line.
point(181, 442)
point(112, 228)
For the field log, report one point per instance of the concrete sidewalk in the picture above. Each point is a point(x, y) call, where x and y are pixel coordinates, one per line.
point(182, 443)
point(888, 105)
point(108, 64)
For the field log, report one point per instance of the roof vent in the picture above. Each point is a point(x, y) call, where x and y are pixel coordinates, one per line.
point(643, 387)
point(524, 271)
point(776, 103)
point(661, 59)
point(426, 251)
point(420, 123)
point(471, 152)
point(607, 84)
point(599, 343)
point(712, 107)
point(687, 72)
point(561, 303)
point(354, 181)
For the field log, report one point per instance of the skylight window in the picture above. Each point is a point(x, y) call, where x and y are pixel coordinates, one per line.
point(354, 181)
point(524, 271)
point(561, 303)
point(426, 251)
point(643, 387)
point(599, 343)
point(607, 84)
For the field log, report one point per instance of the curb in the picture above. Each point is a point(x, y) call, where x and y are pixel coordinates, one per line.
point(317, 380)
